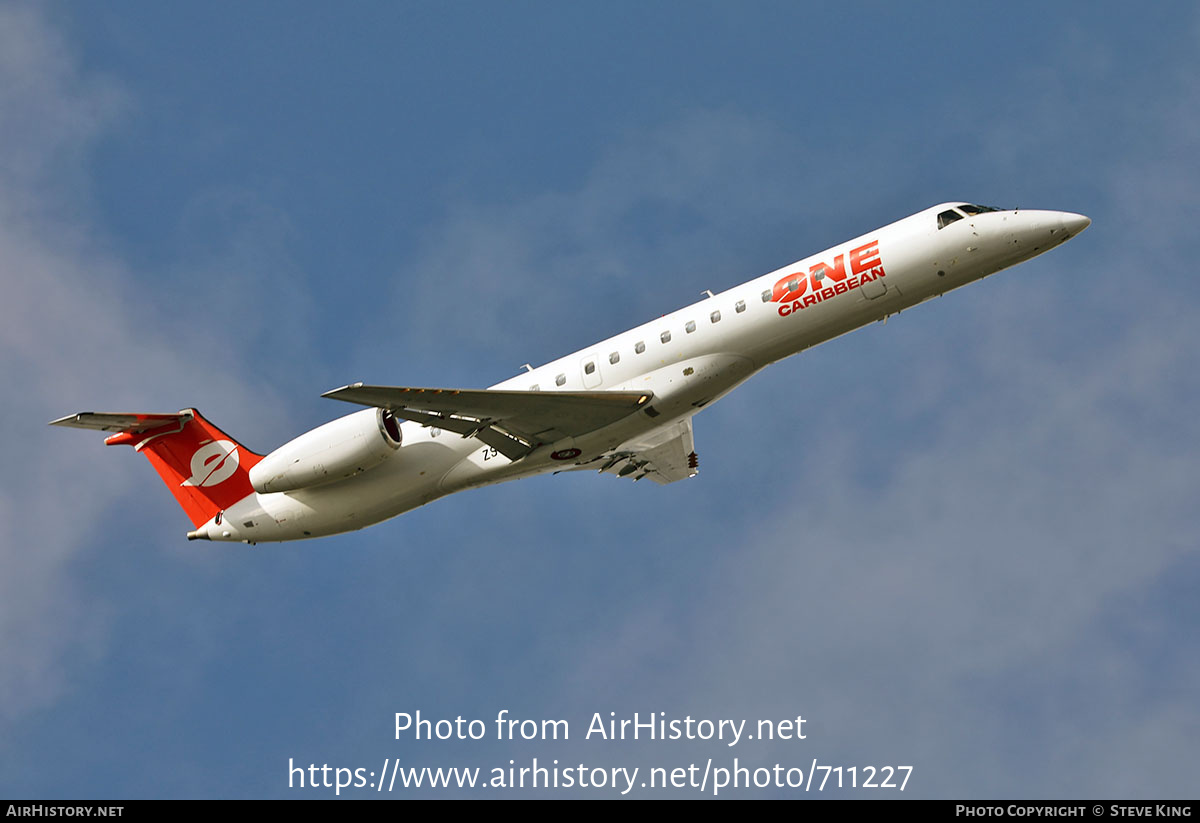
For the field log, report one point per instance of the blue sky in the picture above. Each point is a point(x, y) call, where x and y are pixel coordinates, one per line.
point(977, 557)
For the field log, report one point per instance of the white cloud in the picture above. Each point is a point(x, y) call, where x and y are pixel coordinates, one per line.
point(77, 332)
point(655, 220)
point(936, 574)
point(1045, 471)
point(957, 612)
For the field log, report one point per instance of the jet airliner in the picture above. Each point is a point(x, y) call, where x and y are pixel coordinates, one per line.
point(623, 406)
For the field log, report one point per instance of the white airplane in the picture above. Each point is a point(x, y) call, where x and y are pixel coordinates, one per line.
point(623, 406)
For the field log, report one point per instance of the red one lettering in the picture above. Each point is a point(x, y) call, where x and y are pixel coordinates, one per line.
point(836, 272)
point(864, 257)
point(783, 291)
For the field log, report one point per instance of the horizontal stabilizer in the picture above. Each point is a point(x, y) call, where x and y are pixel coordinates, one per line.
point(126, 423)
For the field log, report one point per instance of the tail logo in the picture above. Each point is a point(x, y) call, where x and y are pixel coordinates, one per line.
point(213, 463)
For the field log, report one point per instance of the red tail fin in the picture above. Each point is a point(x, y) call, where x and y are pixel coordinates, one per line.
point(206, 469)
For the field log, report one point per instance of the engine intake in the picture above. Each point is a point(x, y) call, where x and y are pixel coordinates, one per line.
point(341, 448)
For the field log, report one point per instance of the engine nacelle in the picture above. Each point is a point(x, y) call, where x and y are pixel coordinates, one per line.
point(339, 449)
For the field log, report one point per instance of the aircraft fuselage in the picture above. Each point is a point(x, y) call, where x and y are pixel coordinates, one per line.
point(626, 402)
point(687, 359)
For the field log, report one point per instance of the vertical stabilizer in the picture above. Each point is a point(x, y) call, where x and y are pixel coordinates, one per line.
point(206, 469)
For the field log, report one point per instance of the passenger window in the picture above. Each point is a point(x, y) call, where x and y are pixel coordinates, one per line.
point(690, 327)
point(639, 347)
point(534, 387)
point(793, 284)
point(715, 316)
point(560, 380)
point(590, 368)
point(740, 306)
point(665, 337)
point(614, 357)
point(948, 217)
point(766, 296)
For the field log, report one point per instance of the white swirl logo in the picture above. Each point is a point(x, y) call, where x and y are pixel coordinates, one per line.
point(213, 463)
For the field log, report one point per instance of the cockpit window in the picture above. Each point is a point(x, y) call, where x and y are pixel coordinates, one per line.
point(947, 217)
point(968, 208)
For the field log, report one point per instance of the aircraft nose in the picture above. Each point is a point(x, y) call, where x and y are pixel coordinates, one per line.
point(1074, 223)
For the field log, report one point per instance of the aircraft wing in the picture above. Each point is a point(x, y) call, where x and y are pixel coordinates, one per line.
point(512, 422)
point(664, 455)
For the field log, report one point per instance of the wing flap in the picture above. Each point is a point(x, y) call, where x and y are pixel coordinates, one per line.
point(665, 455)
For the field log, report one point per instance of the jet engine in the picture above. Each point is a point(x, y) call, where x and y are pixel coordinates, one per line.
point(342, 448)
